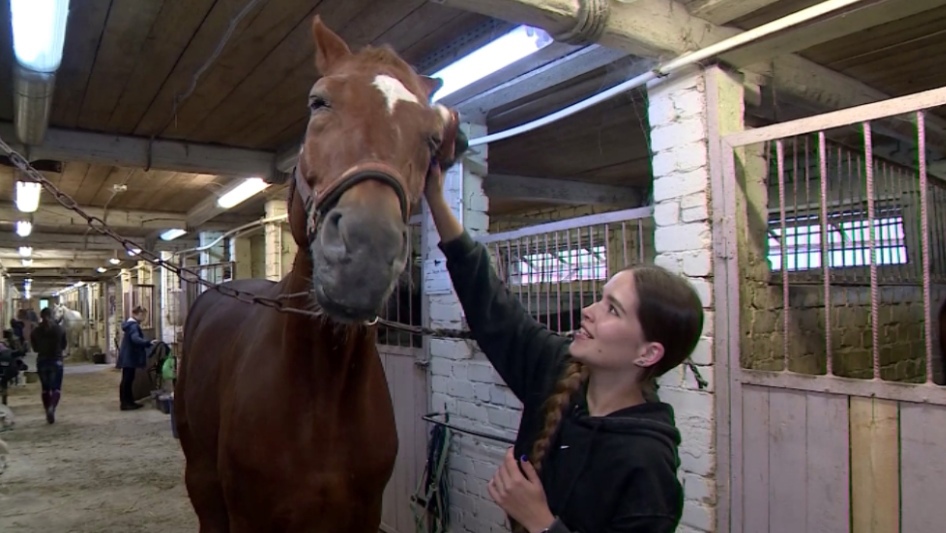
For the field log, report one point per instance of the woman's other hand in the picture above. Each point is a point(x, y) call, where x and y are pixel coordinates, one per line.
point(521, 496)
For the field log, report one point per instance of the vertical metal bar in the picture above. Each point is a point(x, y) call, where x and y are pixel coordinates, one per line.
point(547, 282)
point(640, 240)
point(581, 269)
point(925, 244)
point(780, 163)
point(571, 285)
point(624, 259)
point(825, 269)
point(874, 296)
point(558, 290)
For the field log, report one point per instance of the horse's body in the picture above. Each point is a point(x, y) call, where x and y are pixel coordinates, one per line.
point(302, 443)
point(285, 419)
point(72, 321)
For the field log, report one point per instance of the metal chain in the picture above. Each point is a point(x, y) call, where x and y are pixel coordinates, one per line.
point(277, 303)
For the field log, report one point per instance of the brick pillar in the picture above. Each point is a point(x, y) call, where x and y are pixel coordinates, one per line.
point(280, 248)
point(241, 253)
point(462, 381)
point(678, 110)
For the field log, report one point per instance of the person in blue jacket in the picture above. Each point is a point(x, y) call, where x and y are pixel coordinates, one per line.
point(596, 450)
point(132, 355)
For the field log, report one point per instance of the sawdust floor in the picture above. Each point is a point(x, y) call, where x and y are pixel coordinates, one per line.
point(97, 469)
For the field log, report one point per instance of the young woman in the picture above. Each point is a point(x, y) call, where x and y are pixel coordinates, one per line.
point(596, 450)
point(48, 339)
point(132, 355)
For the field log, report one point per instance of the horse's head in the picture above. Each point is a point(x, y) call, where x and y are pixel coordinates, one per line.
point(371, 141)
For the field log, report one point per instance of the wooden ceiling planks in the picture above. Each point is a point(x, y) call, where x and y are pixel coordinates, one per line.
point(276, 96)
point(258, 36)
point(86, 25)
point(126, 31)
point(171, 34)
point(6, 65)
point(606, 143)
point(899, 58)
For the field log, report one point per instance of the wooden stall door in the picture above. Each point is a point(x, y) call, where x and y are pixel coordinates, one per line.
point(407, 382)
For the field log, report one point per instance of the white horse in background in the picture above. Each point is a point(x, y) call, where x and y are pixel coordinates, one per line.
point(72, 321)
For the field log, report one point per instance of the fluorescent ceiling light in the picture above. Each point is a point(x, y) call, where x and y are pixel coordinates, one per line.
point(26, 251)
point(134, 251)
point(114, 260)
point(101, 270)
point(172, 234)
point(500, 53)
point(242, 192)
point(27, 195)
point(27, 262)
point(24, 228)
point(39, 32)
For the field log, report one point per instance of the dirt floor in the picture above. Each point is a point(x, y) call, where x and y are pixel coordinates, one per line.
point(97, 469)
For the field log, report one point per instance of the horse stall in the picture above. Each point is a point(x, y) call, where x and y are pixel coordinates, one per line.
point(836, 252)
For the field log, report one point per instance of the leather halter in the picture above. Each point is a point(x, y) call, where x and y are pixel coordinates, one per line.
point(318, 202)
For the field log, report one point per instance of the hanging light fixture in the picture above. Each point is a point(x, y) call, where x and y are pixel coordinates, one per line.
point(24, 228)
point(27, 195)
point(26, 251)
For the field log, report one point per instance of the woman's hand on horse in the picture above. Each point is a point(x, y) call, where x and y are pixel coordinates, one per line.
point(521, 496)
point(433, 188)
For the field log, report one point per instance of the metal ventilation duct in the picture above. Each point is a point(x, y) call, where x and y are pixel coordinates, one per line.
point(32, 104)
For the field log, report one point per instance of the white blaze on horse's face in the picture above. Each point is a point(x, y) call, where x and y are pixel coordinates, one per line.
point(393, 91)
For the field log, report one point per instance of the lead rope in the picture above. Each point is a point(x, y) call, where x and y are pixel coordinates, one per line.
point(430, 504)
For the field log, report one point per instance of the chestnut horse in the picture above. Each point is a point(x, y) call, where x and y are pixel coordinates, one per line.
point(285, 419)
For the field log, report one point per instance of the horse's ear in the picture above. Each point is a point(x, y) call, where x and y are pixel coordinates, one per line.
point(431, 85)
point(329, 47)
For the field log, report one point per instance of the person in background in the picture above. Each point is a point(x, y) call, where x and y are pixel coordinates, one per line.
point(132, 355)
point(48, 340)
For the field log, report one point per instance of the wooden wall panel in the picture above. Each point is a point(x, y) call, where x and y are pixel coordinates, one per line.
point(875, 463)
point(922, 467)
point(795, 462)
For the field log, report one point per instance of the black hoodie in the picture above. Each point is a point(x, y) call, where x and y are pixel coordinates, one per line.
point(610, 474)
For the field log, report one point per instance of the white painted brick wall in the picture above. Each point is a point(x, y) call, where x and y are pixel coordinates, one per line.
point(683, 240)
point(462, 382)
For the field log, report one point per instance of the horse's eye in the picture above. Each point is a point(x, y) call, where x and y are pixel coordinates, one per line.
point(316, 103)
point(434, 142)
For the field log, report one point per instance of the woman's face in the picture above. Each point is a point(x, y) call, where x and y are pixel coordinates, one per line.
point(611, 336)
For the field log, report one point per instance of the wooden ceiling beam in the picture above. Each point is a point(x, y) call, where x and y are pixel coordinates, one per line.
point(723, 11)
point(43, 240)
point(140, 152)
point(498, 93)
point(57, 216)
point(835, 25)
point(664, 29)
point(559, 191)
point(41, 264)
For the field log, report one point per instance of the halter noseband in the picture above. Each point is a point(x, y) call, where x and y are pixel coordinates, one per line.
point(318, 202)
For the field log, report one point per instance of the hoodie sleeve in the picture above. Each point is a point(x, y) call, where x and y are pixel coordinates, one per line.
point(521, 349)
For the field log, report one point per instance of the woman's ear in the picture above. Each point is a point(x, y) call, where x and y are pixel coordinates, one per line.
point(650, 354)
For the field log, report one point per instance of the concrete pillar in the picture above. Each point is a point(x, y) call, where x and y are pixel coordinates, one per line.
point(462, 382)
point(169, 300)
point(280, 248)
point(679, 111)
point(213, 255)
point(241, 253)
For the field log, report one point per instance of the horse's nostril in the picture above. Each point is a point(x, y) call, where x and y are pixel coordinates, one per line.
point(334, 218)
